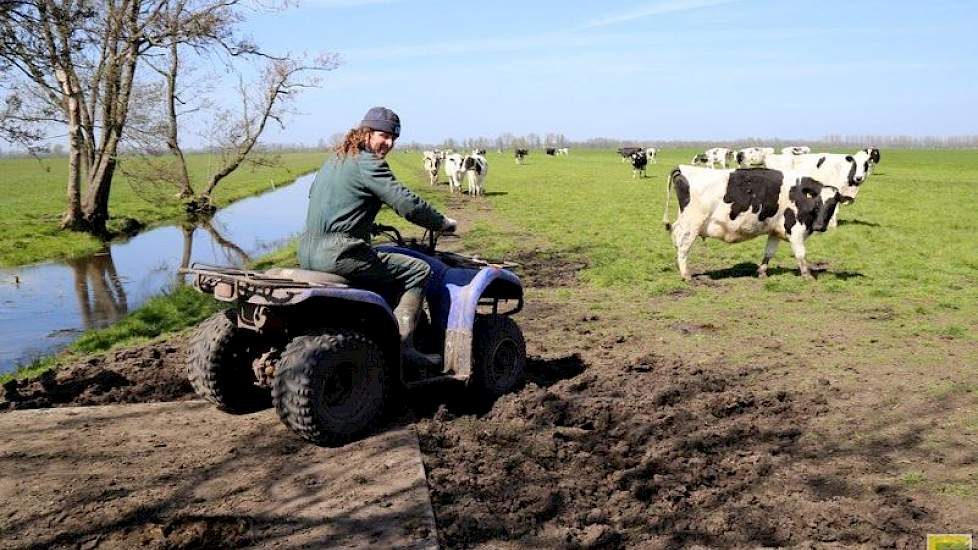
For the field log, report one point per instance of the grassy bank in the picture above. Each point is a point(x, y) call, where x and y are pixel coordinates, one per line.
point(34, 199)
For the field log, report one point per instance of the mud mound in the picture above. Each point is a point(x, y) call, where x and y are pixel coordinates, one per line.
point(133, 375)
point(548, 268)
point(653, 455)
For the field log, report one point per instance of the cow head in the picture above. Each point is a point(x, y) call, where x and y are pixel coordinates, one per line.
point(814, 202)
point(858, 167)
point(874, 154)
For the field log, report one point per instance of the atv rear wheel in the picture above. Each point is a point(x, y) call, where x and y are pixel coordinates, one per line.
point(498, 357)
point(219, 365)
point(330, 387)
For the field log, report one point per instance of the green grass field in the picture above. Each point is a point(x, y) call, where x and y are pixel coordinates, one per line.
point(34, 198)
point(905, 244)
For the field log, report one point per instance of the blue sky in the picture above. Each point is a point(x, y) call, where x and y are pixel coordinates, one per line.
point(659, 69)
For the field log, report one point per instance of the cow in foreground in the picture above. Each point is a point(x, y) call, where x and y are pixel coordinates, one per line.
point(432, 162)
point(520, 154)
point(738, 205)
point(455, 171)
point(476, 167)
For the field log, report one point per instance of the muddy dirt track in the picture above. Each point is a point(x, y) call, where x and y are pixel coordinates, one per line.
point(614, 442)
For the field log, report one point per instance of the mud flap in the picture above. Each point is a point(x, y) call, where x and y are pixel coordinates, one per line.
point(458, 352)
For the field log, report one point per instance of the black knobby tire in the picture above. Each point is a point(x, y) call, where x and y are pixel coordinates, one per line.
point(219, 365)
point(498, 357)
point(331, 387)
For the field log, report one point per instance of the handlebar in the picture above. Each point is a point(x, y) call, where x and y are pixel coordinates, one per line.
point(427, 244)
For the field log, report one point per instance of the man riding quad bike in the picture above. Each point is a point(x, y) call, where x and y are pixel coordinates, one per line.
point(324, 341)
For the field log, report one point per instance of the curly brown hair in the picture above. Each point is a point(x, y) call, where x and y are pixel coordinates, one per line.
point(353, 142)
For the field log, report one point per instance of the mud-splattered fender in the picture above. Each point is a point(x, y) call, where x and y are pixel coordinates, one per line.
point(489, 282)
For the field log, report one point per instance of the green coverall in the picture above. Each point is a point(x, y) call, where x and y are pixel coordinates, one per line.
point(343, 202)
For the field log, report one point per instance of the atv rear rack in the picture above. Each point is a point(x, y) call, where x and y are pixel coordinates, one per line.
point(229, 284)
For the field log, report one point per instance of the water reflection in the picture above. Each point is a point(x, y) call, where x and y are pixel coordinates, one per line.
point(101, 297)
point(44, 307)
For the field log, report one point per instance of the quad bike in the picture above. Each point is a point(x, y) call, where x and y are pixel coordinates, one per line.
point(327, 354)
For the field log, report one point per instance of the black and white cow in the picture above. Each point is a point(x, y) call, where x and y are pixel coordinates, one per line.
point(847, 172)
point(520, 154)
point(552, 151)
point(874, 157)
point(796, 150)
point(563, 151)
point(650, 154)
point(432, 162)
point(455, 171)
point(639, 161)
point(627, 152)
point(738, 205)
point(701, 159)
point(476, 167)
point(479, 152)
point(717, 157)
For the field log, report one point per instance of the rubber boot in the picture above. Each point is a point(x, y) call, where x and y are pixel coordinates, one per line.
point(406, 313)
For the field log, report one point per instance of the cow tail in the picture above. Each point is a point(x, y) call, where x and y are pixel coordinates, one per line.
point(665, 213)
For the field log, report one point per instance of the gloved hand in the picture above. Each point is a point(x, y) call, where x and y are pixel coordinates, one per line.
point(450, 225)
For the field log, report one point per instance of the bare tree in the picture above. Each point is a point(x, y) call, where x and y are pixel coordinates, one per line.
point(74, 63)
point(234, 132)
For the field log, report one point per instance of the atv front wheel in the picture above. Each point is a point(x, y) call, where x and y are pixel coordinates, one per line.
point(219, 365)
point(331, 387)
point(498, 357)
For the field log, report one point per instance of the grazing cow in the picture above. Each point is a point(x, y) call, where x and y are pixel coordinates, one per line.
point(717, 156)
point(874, 154)
point(751, 157)
point(479, 152)
point(519, 154)
point(455, 171)
point(563, 151)
point(797, 150)
point(639, 161)
point(431, 164)
point(627, 152)
point(874, 157)
point(846, 172)
point(476, 167)
point(738, 205)
point(552, 151)
point(700, 160)
point(650, 154)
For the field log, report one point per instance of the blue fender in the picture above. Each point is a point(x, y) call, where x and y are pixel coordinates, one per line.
point(453, 296)
point(489, 282)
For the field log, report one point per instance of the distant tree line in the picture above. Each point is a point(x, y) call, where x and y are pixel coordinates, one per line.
point(535, 141)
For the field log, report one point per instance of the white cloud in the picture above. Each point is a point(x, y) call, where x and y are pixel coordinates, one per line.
point(657, 8)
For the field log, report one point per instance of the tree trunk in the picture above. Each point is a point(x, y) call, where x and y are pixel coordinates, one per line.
point(172, 139)
point(95, 209)
point(73, 218)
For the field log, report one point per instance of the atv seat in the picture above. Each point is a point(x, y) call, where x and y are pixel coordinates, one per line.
point(307, 276)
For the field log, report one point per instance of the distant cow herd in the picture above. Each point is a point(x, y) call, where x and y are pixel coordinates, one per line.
point(472, 167)
point(729, 194)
